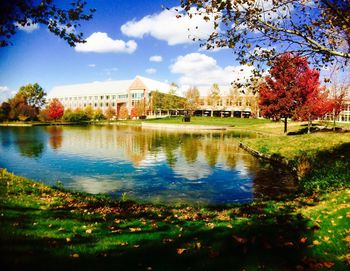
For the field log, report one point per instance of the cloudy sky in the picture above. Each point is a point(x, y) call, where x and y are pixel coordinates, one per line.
point(124, 39)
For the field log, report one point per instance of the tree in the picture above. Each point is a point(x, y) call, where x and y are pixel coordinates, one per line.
point(5, 109)
point(62, 21)
point(286, 88)
point(260, 30)
point(89, 111)
point(20, 110)
point(317, 104)
point(192, 99)
point(140, 108)
point(98, 114)
point(156, 100)
point(123, 112)
point(338, 89)
point(44, 114)
point(55, 109)
point(110, 112)
point(214, 97)
point(34, 95)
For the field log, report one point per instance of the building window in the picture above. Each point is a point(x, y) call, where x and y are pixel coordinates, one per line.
point(95, 104)
point(96, 98)
point(106, 104)
point(113, 97)
point(107, 97)
point(113, 104)
point(101, 104)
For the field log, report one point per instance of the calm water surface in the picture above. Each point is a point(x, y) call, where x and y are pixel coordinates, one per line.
point(147, 165)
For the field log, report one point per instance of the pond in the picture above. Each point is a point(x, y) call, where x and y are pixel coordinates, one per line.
point(143, 164)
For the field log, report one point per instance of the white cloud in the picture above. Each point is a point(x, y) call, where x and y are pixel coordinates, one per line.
point(29, 27)
point(6, 93)
point(92, 65)
point(151, 71)
point(165, 26)
point(99, 42)
point(156, 59)
point(202, 71)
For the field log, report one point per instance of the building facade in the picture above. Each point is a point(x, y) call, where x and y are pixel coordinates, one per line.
point(128, 93)
point(102, 95)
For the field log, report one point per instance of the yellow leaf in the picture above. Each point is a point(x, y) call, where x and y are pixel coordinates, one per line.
point(134, 229)
point(316, 242)
point(88, 231)
point(75, 255)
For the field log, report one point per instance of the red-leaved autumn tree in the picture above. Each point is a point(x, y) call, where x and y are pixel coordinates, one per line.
point(55, 109)
point(316, 106)
point(287, 88)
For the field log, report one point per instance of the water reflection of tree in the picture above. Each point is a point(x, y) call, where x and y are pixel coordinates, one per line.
point(29, 140)
point(211, 151)
point(190, 147)
point(56, 136)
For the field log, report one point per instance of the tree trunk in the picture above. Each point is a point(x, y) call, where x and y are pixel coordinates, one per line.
point(309, 125)
point(333, 119)
point(285, 124)
point(212, 113)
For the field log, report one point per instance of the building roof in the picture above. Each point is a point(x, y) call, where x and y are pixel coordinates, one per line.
point(105, 87)
point(153, 85)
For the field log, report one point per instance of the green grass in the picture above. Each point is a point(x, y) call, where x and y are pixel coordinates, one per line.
point(322, 160)
point(43, 227)
point(211, 121)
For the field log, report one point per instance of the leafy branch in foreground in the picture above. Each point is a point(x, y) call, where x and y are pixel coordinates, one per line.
point(61, 20)
point(260, 30)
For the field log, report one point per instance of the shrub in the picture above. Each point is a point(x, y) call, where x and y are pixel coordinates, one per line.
point(98, 115)
point(44, 115)
point(76, 116)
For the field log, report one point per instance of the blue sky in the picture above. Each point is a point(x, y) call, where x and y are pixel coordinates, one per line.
point(124, 39)
point(39, 56)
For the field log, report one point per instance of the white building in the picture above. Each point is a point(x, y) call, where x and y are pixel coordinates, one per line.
point(108, 93)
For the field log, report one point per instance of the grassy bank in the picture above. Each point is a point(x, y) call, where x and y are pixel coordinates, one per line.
point(322, 159)
point(44, 227)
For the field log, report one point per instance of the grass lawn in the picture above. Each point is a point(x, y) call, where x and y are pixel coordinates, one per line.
point(44, 227)
point(255, 125)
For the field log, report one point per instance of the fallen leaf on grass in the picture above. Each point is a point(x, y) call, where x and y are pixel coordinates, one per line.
point(180, 250)
point(210, 225)
point(134, 229)
point(239, 239)
point(288, 244)
point(167, 240)
point(347, 239)
point(303, 240)
point(316, 242)
point(88, 231)
point(75, 255)
point(347, 258)
point(122, 243)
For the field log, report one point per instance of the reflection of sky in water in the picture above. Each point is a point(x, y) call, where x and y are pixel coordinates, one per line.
point(145, 164)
